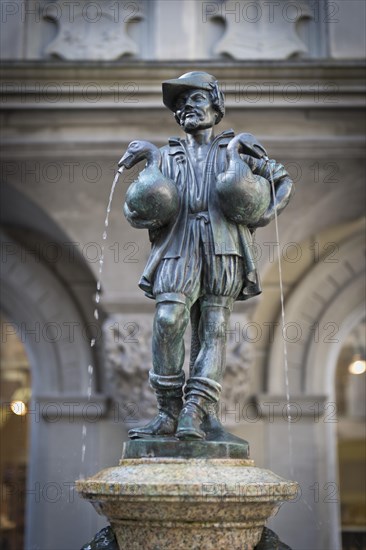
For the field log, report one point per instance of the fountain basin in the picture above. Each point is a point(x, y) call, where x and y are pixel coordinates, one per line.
point(161, 503)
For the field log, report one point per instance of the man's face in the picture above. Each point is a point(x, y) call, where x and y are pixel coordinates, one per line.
point(195, 111)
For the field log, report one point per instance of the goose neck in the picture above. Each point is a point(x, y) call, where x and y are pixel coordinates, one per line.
point(153, 157)
point(233, 150)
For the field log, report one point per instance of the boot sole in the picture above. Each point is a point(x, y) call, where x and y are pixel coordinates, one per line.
point(189, 434)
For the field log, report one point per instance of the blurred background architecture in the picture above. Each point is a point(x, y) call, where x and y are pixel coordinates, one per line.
point(80, 80)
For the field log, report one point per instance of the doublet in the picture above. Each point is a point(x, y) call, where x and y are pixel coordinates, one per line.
point(200, 216)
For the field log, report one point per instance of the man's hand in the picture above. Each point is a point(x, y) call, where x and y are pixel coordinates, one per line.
point(249, 145)
point(136, 221)
point(283, 192)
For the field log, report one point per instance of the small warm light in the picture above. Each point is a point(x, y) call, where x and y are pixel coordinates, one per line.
point(357, 367)
point(18, 407)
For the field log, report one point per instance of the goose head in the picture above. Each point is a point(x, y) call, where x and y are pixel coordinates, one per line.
point(248, 145)
point(139, 150)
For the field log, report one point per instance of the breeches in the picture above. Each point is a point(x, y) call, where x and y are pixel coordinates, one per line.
point(199, 272)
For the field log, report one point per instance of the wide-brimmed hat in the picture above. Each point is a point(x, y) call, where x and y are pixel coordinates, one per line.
point(196, 80)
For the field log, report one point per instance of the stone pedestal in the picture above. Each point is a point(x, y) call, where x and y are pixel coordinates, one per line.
point(160, 502)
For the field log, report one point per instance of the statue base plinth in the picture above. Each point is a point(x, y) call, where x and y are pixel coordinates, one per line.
point(160, 503)
point(173, 448)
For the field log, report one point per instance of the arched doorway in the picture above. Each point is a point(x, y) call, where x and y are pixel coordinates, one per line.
point(324, 307)
point(48, 305)
point(350, 391)
point(41, 311)
point(15, 393)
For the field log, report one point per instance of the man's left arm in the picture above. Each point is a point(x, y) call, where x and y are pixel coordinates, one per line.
point(283, 185)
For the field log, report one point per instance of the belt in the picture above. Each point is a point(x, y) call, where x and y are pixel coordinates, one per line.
point(199, 216)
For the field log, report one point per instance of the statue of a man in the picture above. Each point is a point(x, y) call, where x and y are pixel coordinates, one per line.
point(201, 262)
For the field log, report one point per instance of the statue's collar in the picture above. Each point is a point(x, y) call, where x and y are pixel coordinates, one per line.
point(176, 143)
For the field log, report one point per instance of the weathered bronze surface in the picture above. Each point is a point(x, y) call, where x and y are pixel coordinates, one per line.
point(201, 198)
point(103, 540)
point(170, 448)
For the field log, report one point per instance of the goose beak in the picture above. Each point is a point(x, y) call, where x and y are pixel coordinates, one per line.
point(254, 149)
point(125, 160)
point(259, 151)
point(250, 146)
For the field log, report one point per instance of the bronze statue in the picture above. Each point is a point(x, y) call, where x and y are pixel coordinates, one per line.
point(201, 198)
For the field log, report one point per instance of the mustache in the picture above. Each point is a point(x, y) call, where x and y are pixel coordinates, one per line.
point(183, 114)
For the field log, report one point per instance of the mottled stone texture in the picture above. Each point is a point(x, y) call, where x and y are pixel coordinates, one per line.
point(161, 503)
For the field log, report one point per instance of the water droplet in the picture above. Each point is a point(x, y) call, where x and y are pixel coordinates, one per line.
point(96, 314)
point(104, 235)
point(83, 453)
point(90, 368)
point(98, 285)
point(97, 298)
point(92, 342)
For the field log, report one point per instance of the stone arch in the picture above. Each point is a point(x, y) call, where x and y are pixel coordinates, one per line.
point(323, 308)
point(48, 323)
point(34, 242)
point(50, 307)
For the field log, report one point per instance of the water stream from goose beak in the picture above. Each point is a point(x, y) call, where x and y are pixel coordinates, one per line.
point(285, 353)
point(96, 311)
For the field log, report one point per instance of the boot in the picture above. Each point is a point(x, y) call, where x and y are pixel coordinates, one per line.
point(201, 394)
point(190, 419)
point(168, 390)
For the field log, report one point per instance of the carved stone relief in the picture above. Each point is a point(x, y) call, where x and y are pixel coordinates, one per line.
point(262, 29)
point(92, 30)
point(128, 361)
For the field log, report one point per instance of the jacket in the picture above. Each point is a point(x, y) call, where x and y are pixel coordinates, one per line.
point(228, 237)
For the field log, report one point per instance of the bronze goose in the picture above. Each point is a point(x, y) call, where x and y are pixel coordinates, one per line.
point(244, 196)
point(152, 199)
